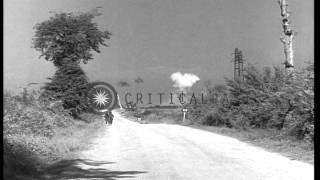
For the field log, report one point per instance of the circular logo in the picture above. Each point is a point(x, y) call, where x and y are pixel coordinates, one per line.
point(102, 96)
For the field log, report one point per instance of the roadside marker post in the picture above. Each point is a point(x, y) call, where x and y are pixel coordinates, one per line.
point(119, 101)
point(184, 114)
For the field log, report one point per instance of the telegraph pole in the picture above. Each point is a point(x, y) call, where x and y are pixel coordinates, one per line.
point(238, 64)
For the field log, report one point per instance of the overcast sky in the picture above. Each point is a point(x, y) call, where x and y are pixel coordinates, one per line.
point(153, 39)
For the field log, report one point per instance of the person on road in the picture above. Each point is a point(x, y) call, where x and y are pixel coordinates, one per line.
point(108, 117)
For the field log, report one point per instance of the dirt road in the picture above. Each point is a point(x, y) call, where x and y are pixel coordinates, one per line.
point(129, 150)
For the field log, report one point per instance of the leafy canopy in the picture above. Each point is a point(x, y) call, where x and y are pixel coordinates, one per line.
point(69, 35)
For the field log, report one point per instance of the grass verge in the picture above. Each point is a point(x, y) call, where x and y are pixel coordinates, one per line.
point(36, 136)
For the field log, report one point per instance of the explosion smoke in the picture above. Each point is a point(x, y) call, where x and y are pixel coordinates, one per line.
point(183, 81)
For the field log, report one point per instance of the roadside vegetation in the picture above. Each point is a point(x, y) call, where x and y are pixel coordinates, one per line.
point(154, 115)
point(263, 100)
point(267, 108)
point(54, 123)
point(38, 132)
point(68, 39)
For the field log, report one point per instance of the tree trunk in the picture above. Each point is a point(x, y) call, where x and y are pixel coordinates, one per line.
point(288, 37)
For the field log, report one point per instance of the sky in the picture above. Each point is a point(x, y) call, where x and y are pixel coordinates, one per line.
point(152, 39)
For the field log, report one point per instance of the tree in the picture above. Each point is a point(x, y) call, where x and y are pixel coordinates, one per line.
point(139, 80)
point(67, 39)
point(123, 84)
point(67, 35)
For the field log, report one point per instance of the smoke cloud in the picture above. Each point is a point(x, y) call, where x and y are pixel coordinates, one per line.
point(183, 81)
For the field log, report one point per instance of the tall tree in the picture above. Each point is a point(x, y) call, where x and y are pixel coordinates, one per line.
point(67, 39)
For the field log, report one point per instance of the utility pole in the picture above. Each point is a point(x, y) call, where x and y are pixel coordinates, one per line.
point(287, 39)
point(238, 64)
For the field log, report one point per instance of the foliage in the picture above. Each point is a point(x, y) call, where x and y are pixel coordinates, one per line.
point(131, 106)
point(68, 39)
point(139, 80)
point(267, 100)
point(68, 85)
point(213, 119)
point(69, 35)
point(123, 84)
point(37, 132)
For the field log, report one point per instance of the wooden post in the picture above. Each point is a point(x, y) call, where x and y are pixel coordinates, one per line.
point(184, 114)
point(119, 101)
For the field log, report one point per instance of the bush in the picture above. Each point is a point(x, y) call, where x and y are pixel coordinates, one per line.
point(68, 85)
point(267, 100)
point(37, 132)
point(213, 119)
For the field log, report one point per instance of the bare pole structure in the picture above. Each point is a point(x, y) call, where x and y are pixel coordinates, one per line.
point(238, 64)
point(240, 73)
point(235, 64)
point(287, 39)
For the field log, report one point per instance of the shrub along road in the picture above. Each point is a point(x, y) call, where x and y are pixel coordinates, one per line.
point(161, 151)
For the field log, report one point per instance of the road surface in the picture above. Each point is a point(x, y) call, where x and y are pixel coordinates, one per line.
point(129, 150)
